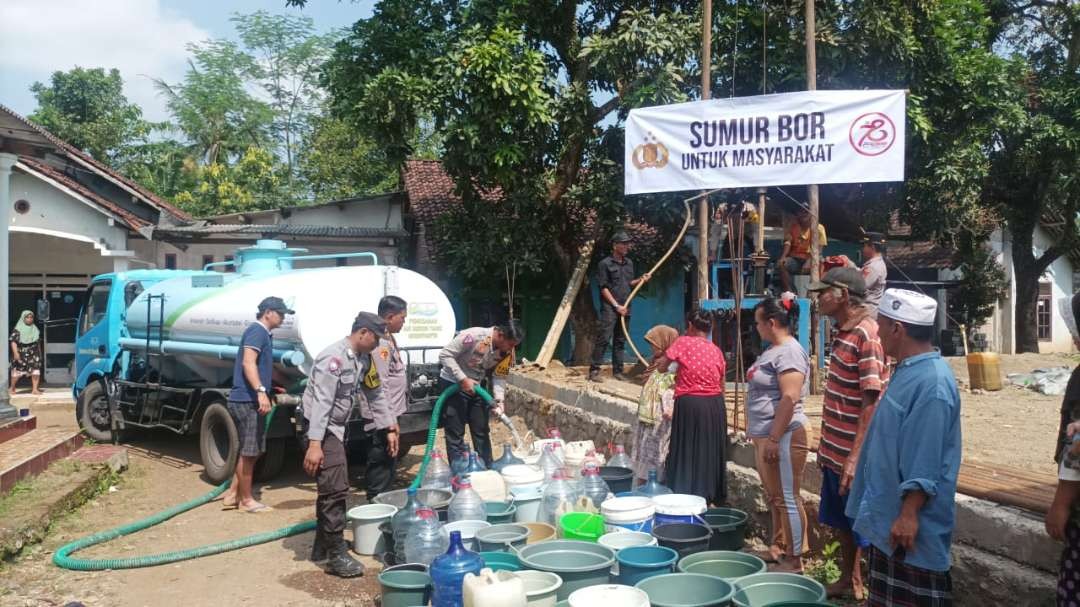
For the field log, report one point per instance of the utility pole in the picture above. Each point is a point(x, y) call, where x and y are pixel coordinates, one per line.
point(703, 202)
point(812, 191)
point(7, 161)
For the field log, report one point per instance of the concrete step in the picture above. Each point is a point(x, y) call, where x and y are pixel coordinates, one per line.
point(17, 427)
point(32, 452)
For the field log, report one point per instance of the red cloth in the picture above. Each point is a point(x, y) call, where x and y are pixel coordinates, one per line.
point(701, 367)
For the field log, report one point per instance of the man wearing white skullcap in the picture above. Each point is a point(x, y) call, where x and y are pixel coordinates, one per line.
point(903, 496)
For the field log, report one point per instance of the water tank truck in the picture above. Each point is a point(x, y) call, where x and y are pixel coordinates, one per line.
point(156, 348)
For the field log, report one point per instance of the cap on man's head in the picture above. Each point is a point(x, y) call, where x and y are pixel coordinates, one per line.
point(371, 322)
point(274, 304)
point(621, 236)
point(908, 307)
point(849, 279)
point(873, 238)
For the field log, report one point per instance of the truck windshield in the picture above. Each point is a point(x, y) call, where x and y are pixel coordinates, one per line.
point(97, 300)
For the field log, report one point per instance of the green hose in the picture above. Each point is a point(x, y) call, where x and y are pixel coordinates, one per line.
point(433, 427)
point(62, 557)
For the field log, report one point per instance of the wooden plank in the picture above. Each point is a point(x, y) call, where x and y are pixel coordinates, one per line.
point(562, 314)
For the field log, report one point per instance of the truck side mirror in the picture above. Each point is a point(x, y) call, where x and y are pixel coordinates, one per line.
point(42, 310)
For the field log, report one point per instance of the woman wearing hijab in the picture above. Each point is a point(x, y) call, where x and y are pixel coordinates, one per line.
point(26, 351)
point(652, 436)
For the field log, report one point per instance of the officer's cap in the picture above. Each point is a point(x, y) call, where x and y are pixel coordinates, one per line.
point(371, 322)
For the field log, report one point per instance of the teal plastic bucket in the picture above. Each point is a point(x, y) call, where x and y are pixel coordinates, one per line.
point(501, 561)
point(728, 526)
point(803, 604)
point(637, 563)
point(404, 588)
point(687, 590)
point(500, 512)
point(772, 588)
point(724, 564)
point(579, 564)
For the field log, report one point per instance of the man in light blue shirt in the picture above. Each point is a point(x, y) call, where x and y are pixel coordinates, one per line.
point(902, 498)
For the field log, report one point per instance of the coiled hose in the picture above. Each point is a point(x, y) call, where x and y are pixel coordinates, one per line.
point(63, 557)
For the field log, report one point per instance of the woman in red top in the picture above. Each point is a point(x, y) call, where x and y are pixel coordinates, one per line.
point(697, 459)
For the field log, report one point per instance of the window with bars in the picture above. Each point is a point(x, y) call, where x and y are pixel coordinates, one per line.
point(1044, 312)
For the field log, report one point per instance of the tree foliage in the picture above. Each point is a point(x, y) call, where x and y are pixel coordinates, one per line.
point(88, 109)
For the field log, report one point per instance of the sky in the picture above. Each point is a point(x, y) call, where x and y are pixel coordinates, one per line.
point(144, 39)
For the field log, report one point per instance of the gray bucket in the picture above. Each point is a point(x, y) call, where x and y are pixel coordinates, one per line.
point(579, 564)
point(498, 538)
point(769, 588)
point(724, 564)
point(687, 590)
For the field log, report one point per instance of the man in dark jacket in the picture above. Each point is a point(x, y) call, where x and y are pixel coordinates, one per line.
point(615, 278)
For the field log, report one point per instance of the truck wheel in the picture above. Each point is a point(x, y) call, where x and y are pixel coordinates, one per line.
point(273, 460)
point(219, 444)
point(92, 413)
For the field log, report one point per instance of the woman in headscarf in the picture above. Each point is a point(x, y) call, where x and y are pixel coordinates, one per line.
point(652, 435)
point(25, 343)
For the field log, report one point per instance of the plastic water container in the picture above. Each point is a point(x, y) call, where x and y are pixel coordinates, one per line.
point(448, 573)
point(549, 463)
point(491, 589)
point(559, 494)
point(475, 463)
point(427, 539)
point(984, 370)
point(680, 508)
point(364, 521)
point(438, 472)
point(403, 521)
point(611, 595)
point(524, 483)
point(467, 504)
point(593, 486)
point(652, 487)
point(468, 530)
point(620, 459)
point(508, 459)
point(459, 463)
point(633, 513)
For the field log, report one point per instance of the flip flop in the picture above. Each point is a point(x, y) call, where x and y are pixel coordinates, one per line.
point(258, 509)
point(232, 506)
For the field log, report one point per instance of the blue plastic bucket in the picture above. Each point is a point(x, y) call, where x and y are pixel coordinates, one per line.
point(641, 562)
point(634, 513)
point(679, 508)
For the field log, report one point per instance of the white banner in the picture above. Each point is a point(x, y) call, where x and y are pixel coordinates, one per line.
point(785, 139)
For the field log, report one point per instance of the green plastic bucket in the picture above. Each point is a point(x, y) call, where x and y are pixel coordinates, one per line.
point(728, 526)
point(583, 526)
point(771, 588)
point(499, 538)
point(500, 512)
point(724, 564)
point(501, 561)
point(687, 590)
point(404, 588)
point(579, 564)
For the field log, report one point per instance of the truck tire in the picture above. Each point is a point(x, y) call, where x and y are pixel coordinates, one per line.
point(273, 460)
point(219, 444)
point(92, 412)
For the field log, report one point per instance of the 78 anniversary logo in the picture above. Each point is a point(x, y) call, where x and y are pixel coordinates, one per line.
point(872, 134)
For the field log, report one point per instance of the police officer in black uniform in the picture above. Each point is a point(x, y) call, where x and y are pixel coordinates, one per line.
point(615, 278)
point(342, 374)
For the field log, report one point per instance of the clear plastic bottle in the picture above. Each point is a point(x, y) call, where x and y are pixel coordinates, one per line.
point(591, 459)
point(448, 572)
point(508, 458)
point(427, 539)
point(459, 463)
point(467, 504)
point(593, 486)
point(652, 487)
point(559, 492)
point(620, 458)
point(560, 452)
point(403, 521)
point(438, 472)
point(549, 462)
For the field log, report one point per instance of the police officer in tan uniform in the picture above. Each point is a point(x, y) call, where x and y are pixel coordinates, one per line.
point(342, 374)
point(382, 434)
point(473, 355)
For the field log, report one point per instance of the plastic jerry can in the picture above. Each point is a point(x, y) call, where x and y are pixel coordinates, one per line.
point(984, 371)
point(491, 589)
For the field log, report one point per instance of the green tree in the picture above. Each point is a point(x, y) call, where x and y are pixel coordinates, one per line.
point(338, 162)
point(252, 182)
point(982, 283)
point(88, 109)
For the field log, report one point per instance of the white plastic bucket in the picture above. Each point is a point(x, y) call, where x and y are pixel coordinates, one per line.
point(679, 508)
point(528, 509)
point(518, 475)
point(540, 587)
point(468, 531)
point(364, 521)
point(609, 595)
point(617, 540)
point(634, 513)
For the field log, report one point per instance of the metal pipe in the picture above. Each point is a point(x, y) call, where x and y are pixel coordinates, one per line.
point(374, 257)
point(289, 358)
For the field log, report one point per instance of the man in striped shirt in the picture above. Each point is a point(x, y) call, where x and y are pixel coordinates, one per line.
point(856, 378)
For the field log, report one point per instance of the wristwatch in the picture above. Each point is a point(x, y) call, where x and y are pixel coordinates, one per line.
point(261, 389)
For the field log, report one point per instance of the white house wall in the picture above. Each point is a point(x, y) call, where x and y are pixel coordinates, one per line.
point(55, 212)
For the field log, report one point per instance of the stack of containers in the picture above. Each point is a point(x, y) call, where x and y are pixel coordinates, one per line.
point(525, 484)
